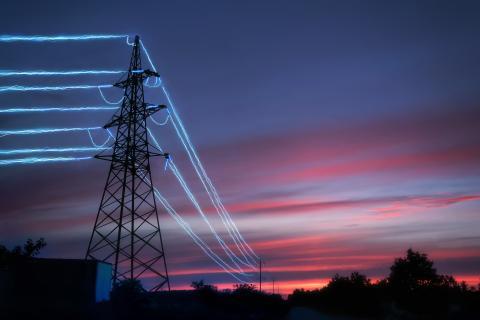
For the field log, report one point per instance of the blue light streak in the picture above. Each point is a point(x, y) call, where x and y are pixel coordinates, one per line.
point(110, 135)
point(158, 80)
point(215, 200)
point(207, 250)
point(58, 73)
point(51, 150)
point(37, 38)
point(106, 100)
point(156, 84)
point(55, 109)
point(40, 160)
point(198, 241)
point(4, 133)
point(203, 246)
point(206, 182)
point(166, 164)
point(129, 43)
point(233, 257)
point(164, 122)
point(54, 88)
point(148, 56)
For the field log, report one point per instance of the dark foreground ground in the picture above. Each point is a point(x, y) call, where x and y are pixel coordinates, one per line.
point(413, 291)
point(206, 304)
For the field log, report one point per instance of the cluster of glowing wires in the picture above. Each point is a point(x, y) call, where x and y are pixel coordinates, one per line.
point(240, 257)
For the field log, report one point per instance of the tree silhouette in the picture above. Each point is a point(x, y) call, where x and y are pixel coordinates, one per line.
point(412, 272)
point(31, 249)
point(355, 281)
point(18, 253)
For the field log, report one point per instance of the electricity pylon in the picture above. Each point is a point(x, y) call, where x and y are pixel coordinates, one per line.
point(127, 229)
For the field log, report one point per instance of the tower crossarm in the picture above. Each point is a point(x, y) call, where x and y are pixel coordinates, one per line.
point(125, 118)
point(136, 75)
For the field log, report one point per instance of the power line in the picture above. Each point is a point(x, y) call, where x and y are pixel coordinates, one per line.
point(51, 150)
point(56, 109)
point(216, 201)
point(58, 73)
point(41, 160)
point(4, 133)
point(51, 88)
point(35, 38)
point(226, 219)
point(171, 165)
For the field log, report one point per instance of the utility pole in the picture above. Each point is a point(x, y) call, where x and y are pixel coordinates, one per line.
point(273, 285)
point(260, 267)
point(126, 232)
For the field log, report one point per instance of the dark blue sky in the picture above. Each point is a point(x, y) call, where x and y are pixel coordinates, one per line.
point(278, 65)
point(322, 103)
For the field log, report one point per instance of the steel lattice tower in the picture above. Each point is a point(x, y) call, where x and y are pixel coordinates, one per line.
point(127, 229)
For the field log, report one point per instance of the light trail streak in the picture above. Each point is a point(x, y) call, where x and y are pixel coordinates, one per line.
point(158, 80)
point(148, 56)
point(56, 109)
point(58, 73)
point(42, 150)
point(197, 206)
point(207, 186)
point(160, 123)
point(206, 182)
point(205, 248)
point(198, 241)
point(53, 88)
point(194, 201)
point(43, 130)
point(110, 135)
point(156, 84)
point(217, 200)
point(107, 101)
point(129, 43)
point(40, 160)
point(37, 38)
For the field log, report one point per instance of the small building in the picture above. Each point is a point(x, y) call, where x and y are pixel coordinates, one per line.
point(55, 283)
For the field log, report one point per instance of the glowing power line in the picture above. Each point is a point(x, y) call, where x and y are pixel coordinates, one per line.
point(52, 88)
point(230, 226)
point(206, 182)
point(56, 109)
point(42, 150)
point(110, 135)
point(43, 130)
point(148, 56)
point(40, 160)
point(164, 122)
point(170, 164)
point(58, 73)
point(106, 100)
point(37, 38)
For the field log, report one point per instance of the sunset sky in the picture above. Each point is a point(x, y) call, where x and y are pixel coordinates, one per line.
point(338, 133)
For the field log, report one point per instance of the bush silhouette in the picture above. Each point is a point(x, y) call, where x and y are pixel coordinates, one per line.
point(18, 253)
point(127, 291)
point(202, 286)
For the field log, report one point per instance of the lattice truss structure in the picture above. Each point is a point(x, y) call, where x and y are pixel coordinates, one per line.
point(127, 231)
